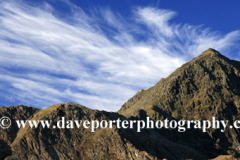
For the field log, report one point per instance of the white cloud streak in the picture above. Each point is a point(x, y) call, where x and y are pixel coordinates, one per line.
point(97, 61)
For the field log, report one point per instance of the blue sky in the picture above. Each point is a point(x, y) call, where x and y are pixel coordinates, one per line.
point(100, 53)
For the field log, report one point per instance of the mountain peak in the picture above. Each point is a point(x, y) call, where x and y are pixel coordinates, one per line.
point(194, 80)
point(212, 53)
point(205, 87)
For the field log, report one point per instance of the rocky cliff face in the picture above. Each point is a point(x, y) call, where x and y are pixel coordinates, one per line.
point(205, 87)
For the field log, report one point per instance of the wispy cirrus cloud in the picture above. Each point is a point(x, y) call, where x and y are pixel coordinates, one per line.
point(157, 20)
point(98, 60)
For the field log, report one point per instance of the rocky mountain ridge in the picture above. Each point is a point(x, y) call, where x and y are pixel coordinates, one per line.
point(207, 86)
point(81, 143)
